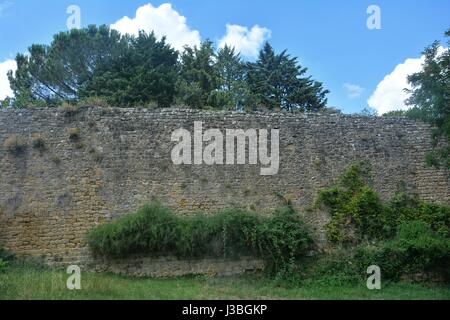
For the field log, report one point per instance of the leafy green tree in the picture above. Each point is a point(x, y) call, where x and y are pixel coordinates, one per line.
point(53, 73)
point(280, 83)
point(145, 72)
point(96, 62)
point(100, 63)
point(198, 76)
point(430, 97)
point(233, 87)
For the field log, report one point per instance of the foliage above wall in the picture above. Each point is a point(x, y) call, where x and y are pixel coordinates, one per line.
point(127, 71)
point(430, 99)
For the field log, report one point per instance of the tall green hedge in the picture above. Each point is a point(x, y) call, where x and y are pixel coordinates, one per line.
point(281, 238)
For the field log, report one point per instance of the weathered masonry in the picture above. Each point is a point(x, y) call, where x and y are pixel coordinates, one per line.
point(99, 163)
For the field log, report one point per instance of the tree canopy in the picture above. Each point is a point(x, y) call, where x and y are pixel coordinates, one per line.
point(57, 72)
point(280, 83)
point(142, 70)
point(430, 99)
point(430, 96)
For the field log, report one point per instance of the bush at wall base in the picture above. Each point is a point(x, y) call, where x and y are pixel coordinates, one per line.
point(280, 239)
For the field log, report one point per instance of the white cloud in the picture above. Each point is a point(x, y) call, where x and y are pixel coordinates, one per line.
point(390, 94)
point(5, 89)
point(5, 5)
point(164, 21)
point(247, 42)
point(353, 90)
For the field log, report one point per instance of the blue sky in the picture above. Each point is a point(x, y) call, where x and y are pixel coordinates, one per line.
point(330, 37)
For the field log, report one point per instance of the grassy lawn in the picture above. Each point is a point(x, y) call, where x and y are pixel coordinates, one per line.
point(29, 283)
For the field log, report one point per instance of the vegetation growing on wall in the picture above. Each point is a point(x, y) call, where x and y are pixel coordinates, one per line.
point(403, 236)
point(358, 214)
point(416, 249)
point(74, 134)
point(38, 143)
point(416, 252)
point(15, 145)
point(281, 239)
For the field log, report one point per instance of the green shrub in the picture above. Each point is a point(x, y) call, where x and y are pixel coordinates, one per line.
point(227, 234)
point(3, 265)
point(192, 236)
point(151, 229)
point(5, 258)
point(6, 255)
point(358, 214)
point(155, 230)
point(425, 250)
point(409, 208)
point(284, 238)
point(335, 268)
point(416, 249)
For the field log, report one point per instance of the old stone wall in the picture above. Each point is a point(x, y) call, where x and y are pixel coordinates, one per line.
point(101, 163)
point(160, 267)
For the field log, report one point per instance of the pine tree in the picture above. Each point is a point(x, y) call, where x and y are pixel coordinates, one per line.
point(278, 82)
point(233, 88)
point(96, 61)
point(53, 73)
point(145, 72)
point(198, 76)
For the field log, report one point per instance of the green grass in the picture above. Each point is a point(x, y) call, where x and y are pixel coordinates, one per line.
point(30, 283)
